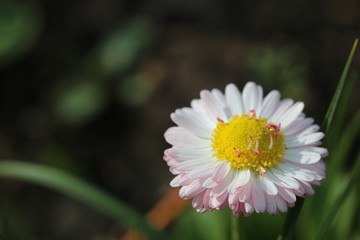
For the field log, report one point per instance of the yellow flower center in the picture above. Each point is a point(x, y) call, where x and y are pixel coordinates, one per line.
point(248, 142)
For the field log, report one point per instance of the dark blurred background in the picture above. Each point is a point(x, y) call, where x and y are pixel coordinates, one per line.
point(88, 87)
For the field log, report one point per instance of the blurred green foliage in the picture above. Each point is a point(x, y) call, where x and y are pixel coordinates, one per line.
point(20, 27)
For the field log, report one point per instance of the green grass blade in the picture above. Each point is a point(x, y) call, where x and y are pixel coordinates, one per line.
point(293, 214)
point(328, 221)
point(344, 145)
point(338, 92)
point(80, 190)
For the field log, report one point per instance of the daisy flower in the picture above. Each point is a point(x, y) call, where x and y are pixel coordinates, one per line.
point(245, 151)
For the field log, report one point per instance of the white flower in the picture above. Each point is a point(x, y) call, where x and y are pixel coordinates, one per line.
point(244, 151)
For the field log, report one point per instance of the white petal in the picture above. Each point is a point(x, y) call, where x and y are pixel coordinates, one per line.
point(312, 138)
point(304, 156)
point(300, 126)
point(213, 107)
point(291, 114)
point(282, 180)
point(284, 105)
point(198, 106)
point(268, 186)
point(193, 123)
point(297, 172)
point(251, 97)
point(270, 103)
point(192, 165)
point(260, 94)
point(222, 100)
point(180, 137)
point(234, 99)
point(190, 154)
point(201, 172)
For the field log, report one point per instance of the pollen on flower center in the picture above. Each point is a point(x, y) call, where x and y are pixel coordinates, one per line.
point(248, 142)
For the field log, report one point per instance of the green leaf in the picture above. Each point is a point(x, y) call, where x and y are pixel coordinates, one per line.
point(338, 92)
point(293, 215)
point(80, 190)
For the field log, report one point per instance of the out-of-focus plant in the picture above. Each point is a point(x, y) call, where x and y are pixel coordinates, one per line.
point(20, 27)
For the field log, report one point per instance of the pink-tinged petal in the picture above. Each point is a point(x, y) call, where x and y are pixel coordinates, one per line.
point(304, 140)
point(268, 186)
point(197, 202)
point(213, 108)
point(249, 209)
point(284, 105)
point(221, 171)
point(244, 192)
point(218, 201)
point(221, 187)
point(308, 189)
point(180, 180)
point(271, 204)
point(291, 114)
point(210, 183)
point(182, 138)
point(258, 196)
point(281, 204)
point(303, 156)
point(270, 104)
point(192, 122)
point(191, 190)
point(287, 195)
point(233, 202)
point(241, 178)
point(234, 99)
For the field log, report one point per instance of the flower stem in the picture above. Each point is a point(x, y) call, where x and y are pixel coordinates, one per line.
point(290, 221)
point(235, 229)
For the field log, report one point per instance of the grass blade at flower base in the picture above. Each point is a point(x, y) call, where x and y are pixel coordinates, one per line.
point(80, 190)
point(328, 220)
point(338, 92)
point(293, 215)
point(344, 146)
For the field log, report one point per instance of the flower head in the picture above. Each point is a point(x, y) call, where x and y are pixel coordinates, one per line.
point(244, 151)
